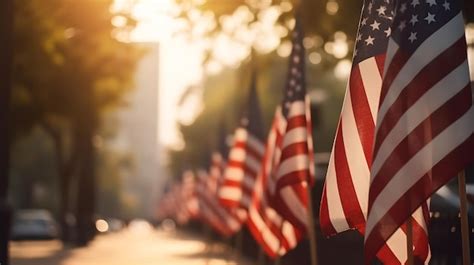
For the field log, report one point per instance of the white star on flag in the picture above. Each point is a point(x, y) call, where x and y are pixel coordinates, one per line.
point(375, 25)
point(412, 37)
point(446, 6)
point(413, 20)
point(381, 10)
point(369, 40)
point(430, 18)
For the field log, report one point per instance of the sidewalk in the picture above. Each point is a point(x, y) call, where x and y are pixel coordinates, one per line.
point(146, 247)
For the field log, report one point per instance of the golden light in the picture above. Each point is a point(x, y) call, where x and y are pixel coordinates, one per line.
point(119, 21)
point(339, 35)
point(329, 47)
point(102, 226)
point(286, 6)
point(285, 49)
point(340, 49)
point(158, 21)
point(343, 69)
point(315, 58)
point(213, 67)
point(332, 7)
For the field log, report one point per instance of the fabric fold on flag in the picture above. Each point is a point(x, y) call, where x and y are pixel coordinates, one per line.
point(345, 199)
point(272, 231)
point(290, 167)
point(425, 118)
point(245, 156)
point(278, 213)
point(220, 219)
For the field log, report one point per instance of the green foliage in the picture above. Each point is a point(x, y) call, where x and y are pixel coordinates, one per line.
point(33, 177)
point(69, 70)
point(65, 52)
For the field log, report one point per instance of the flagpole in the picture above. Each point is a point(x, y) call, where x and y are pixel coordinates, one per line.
point(208, 236)
point(261, 256)
point(466, 255)
point(278, 259)
point(311, 230)
point(238, 245)
point(409, 224)
point(310, 225)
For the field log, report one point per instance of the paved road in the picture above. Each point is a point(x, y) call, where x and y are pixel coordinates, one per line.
point(137, 247)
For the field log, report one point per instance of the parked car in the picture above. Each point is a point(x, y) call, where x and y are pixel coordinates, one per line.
point(34, 224)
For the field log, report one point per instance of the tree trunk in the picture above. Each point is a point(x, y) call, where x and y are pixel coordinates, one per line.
point(65, 169)
point(6, 53)
point(84, 133)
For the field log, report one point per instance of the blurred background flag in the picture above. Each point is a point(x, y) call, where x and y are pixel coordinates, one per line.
point(278, 214)
point(289, 170)
point(425, 119)
point(345, 194)
point(275, 234)
point(210, 210)
point(245, 156)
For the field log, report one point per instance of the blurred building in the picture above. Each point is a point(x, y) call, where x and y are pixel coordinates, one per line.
point(138, 135)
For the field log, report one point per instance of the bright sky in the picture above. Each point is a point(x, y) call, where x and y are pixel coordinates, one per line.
point(180, 63)
point(181, 60)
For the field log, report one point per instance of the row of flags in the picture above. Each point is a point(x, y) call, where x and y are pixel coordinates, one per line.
point(406, 128)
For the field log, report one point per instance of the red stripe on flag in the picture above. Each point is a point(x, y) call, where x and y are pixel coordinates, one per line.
point(362, 113)
point(452, 110)
point(416, 195)
point(325, 222)
point(423, 82)
point(397, 63)
point(350, 204)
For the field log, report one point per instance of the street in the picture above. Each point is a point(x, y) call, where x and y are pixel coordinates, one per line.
point(142, 246)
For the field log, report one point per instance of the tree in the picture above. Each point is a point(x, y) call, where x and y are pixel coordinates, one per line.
point(69, 70)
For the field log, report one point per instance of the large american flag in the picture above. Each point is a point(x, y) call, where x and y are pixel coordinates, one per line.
point(245, 157)
point(290, 170)
point(425, 122)
point(344, 203)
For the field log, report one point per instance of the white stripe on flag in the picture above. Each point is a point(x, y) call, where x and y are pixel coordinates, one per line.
point(437, 43)
point(392, 48)
point(296, 135)
point(373, 82)
point(292, 164)
point(419, 164)
point(358, 167)
point(297, 108)
point(422, 109)
point(336, 212)
point(294, 204)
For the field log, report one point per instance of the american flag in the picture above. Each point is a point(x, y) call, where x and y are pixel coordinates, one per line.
point(344, 203)
point(189, 204)
point(290, 171)
point(219, 218)
point(245, 157)
point(180, 202)
point(425, 121)
point(275, 234)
